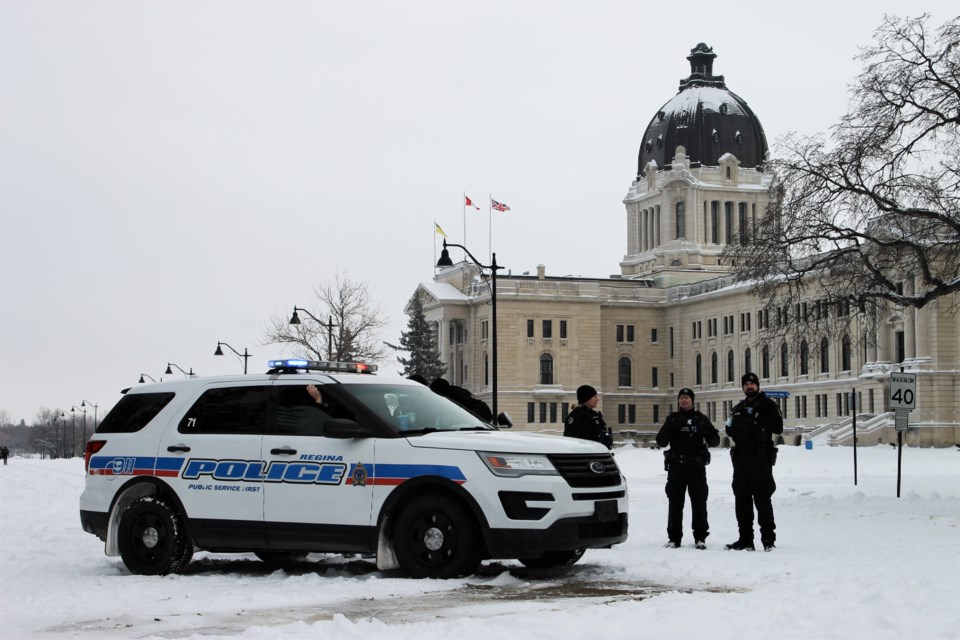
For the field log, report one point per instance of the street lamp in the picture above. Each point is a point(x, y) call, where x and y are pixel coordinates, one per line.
point(87, 403)
point(62, 438)
point(244, 355)
point(169, 371)
point(73, 430)
point(295, 319)
point(445, 261)
point(144, 375)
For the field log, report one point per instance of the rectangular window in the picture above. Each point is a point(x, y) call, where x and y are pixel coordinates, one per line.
point(563, 329)
point(653, 377)
point(671, 344)
point(529, 328)
point(564, 411)
point(483, 330)
point(728, 218)
point(656, 414)
point(629, 333)
point(548, 328)
point(632, 414)
point(230, 410)
point(531, 413)
point(619, 333)
point(621, 413)
point(543, 412)
point(653, 336)
point(553, 412)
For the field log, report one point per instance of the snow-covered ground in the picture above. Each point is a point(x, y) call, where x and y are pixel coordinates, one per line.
point(852, 562)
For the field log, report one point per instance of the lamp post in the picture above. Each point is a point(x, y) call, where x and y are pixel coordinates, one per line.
point(73, 431)
point(169, 371)
point(62, 439)
point(244, 355)
point(86, 403)
point(445, 261)
point(295, 319)
point(144, 375)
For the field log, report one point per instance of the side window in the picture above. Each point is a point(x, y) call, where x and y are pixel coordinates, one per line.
point(241, 410)
point(134, 412)
point(303, 409)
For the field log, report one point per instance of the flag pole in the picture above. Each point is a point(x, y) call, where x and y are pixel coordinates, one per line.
point(489, 225)
point(463, 202)
point(434, 236)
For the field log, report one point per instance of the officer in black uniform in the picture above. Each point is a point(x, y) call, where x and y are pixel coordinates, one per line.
point(688, 433)
point(585, 422)
point(752, 425)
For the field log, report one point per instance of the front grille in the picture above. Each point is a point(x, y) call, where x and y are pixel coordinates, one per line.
point(576, 469)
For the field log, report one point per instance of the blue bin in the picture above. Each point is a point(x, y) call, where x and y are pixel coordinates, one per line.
point(808, 444)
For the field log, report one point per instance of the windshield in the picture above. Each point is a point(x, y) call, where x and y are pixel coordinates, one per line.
point(414, 409)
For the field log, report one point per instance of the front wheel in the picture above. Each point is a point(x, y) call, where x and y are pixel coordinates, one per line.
point(152, 538)
point(434, 537)
point(553, 559)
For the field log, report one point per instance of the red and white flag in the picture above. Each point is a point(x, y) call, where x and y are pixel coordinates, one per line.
point(498, 206)
point(469, 203)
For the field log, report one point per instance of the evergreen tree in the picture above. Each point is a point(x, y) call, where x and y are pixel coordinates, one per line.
point(420, 341)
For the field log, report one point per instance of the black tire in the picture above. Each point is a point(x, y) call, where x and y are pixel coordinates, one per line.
point(283, 559)
point(153, 539)
point(435, 537)
point(553, 559)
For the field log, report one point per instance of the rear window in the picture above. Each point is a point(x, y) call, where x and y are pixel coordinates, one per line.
point(134, 412)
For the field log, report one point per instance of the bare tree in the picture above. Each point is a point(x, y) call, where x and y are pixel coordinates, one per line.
point(869, 215)
point(356, 324)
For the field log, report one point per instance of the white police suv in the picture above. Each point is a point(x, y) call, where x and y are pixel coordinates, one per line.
point(316, 457)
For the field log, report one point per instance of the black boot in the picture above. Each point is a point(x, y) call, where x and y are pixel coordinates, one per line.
point(741, 545)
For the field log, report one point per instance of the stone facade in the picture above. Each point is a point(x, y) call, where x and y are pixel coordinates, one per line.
point(674, 318)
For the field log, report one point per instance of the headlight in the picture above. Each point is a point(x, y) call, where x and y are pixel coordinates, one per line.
point(514, 465)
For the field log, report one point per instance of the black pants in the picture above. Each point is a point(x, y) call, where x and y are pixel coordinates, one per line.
point(682, 478)
point(753, 485)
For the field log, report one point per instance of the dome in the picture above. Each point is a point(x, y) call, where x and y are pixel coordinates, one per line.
point(705, 118)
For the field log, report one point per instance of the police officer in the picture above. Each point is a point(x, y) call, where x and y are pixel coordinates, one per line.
point(688, 433)
point(752, 425)
point(585, 421)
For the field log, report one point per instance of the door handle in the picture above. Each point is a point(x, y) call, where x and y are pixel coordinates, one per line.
point(283, 452)
point(178, 447)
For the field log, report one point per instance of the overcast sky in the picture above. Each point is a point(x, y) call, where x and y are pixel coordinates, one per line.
point(174, 172)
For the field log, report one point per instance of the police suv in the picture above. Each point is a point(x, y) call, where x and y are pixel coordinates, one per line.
point(317, 457)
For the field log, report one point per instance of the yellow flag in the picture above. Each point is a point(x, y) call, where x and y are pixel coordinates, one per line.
point(439, 230)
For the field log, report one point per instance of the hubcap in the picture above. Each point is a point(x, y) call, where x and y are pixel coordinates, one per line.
point(150, 537)
point(433, 539)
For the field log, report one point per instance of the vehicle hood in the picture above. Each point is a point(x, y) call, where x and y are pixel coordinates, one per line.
point(505, 442)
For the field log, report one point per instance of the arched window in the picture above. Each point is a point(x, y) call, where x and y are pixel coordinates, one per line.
point(486, 370)
point(845, 354)
point(730, 365)
point(624, 373)
point(546, 369)
point(784, 361)
point(804, 358)
point(713, 367)
point(747, 361)
point(765, 363)
point(699, 370)
point(824, 356)
point(681, 220)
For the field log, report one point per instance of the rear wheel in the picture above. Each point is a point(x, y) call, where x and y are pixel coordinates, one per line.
point(553, 559)
point(435, 537)
point(152, 538)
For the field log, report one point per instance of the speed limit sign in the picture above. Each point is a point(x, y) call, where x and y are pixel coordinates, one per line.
point(903, 391)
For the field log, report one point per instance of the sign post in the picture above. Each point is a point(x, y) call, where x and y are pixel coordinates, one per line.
point(903, 400)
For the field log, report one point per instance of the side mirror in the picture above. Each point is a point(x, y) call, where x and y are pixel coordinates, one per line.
point(504, 420)
point(345, 429)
